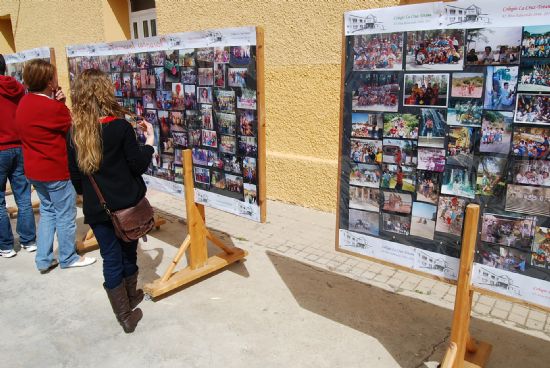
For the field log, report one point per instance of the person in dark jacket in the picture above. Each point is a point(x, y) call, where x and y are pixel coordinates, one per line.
point(11, 168)
point(104, 145)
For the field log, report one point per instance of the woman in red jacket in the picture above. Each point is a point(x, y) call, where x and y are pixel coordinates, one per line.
point(43, 121)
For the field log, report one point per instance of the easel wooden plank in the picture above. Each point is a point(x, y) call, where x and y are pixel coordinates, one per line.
point(199, 264)
point(260, 92)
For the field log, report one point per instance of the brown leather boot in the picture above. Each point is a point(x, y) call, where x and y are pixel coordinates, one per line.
point(127, 318)
point(135, 295)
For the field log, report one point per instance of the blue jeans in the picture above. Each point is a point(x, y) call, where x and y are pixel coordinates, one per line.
point(57, 212)
point(119, 257)
point(11, 168)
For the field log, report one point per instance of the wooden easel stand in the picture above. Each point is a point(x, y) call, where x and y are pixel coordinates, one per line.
point(199, 264)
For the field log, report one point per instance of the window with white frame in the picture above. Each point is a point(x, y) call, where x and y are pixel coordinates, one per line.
point(143, 18)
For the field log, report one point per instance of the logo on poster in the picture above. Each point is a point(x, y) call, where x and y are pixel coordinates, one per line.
point(457, 15)
point(356, 23)
point(435, 263)
point(491, 278)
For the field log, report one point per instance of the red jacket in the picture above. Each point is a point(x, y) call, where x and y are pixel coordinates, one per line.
point(11, 92)
point(43, 124)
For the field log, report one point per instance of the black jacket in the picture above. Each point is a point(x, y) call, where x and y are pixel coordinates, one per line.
point(119, 176)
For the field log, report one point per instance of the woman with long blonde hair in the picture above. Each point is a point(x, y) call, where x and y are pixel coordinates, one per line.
point(103, 145)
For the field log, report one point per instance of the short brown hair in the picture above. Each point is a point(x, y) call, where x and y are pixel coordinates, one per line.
point(37, 74)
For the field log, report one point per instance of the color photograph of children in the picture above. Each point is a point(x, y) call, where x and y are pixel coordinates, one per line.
point(540, 256)
point(401, 125)
point(536, 42)
point(249, 170)
point(376, 92)
point(186, 57)
point(450, 215)
point(534, 76)
point(465, 112)
point(398, 177)
point(427, 187)
point(366, 125)
point(234, 183)
point(209, 138)
point(517, 232)
point(362, 198)
point(467, 85)
point(218, 179)
point(237, 77)
point(460, 146)
point(531, 142)
point(378, 52)
point(399, 152)
point(532, 172)
point(496, 132)
point(432, 128)
point(221, 54)
point(219, 75)
point(459, 182)
point(206, 76)
point(247, 99)
point(205, 94)
point(500, 87)
point(365, 175)
point(423, 220)
point(250, 193)
point(397, 202)
point(426, 90)
point(493, 46)
point(491, 176)
point(396, 224)
point(431, 159)
point(533, 109)
point(441, 49)
point(247, 122)
point(364, 222)
point(365, 150)
point(228, 144)
point(528, 200)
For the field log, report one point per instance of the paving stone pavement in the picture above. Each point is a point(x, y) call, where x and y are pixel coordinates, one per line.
point(308, 235)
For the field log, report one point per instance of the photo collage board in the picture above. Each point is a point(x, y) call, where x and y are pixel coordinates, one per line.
point(15, 63)
point(437, 117)
point(199, 90)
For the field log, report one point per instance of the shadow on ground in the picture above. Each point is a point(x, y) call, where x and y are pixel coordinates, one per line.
point(411, 330)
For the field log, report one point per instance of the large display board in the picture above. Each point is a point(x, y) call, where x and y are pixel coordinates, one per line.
point(15, 63)
point(200, 90)
point(445, 104)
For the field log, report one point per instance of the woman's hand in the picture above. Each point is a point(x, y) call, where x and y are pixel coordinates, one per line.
point(60, 96)
point(148, 132)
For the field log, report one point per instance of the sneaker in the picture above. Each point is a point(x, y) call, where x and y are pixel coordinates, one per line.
point(51, 267)
point(82, 262)
point(31, 247)
point(7, 253)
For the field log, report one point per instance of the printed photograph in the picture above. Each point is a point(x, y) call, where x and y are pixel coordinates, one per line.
point(426, 90)
point(117, 84)
point(234, 183)
point(500, 87)
point(250, 193)
point(431, 159)
point(221, 55)
point(366, 125)
point(202, 175)
point(249, 170)
point(248, 146)
point(231, 164)
point(194, 137)
point(517, 232)
point(176, 121)
point(167, 161)
point(148, 99)
point(465, 112)
point(205, 54)
point(159, 77)
point(200, 156)
point(190, 97)
point(247, 99)
point(401, 125)
point(533, 109)
point(136, 84)
point(398, 177)
point(400, 152)
point(459, 182)
point(172, 68)
point(227, 123)
point(534, 76)
point(396, 224)
point(540, 256)
point(148, 79)
point(504, 258)
point(218, 179)
point(467, 85)
point(158, 57)
point(423, 220)
point(164, 99)
point(224, 100)
point(496, 132)
point(178, 97)
point(440, 49)
point(364, 222)
point(365, 175)
point(450, 215)
point(397, 202)
point(378, 51)
point(365, 150)
point(427, 187)
point(187, 57)
point(214, 160)
point(219, 75)
point(532, 172)
point(247, 122)
point(206, 117)
point(432, 128)
point(192, 119)
point(376, 92)
point(205, 94)
point(493, 46)
point(206, 76)
point(209, 138)
point(237, 77)
point(240, 55)
point(180, 138)
point(531, 142)
point(188, 75)
point(460, 146)
point(528, 200)
point(363, 198)
point(228, 144)
point(536, 43)
point(491, 176)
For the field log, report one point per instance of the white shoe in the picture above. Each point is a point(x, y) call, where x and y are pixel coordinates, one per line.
point(82, 262)
point(29, 248)
point(7, 253)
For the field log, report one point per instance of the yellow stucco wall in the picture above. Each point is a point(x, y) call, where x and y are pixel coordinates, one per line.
point(302, 63)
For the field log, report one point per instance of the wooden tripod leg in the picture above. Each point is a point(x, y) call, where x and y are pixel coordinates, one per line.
point(450, 356)
point(177, 258)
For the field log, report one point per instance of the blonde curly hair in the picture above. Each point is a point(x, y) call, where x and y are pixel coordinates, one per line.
point(93, 97)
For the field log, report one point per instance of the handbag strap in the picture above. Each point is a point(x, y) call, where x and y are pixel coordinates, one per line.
point(99, 195)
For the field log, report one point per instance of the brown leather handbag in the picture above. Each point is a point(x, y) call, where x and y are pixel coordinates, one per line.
point(130, 223)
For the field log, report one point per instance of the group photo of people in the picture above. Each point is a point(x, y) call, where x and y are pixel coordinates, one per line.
point(496, 132)
point(517, 232)
point(465, 112)
point(426, 90)
point(493, 46)
point(532, 143)
point(435, 49)
point(378, 52)
point(401, 125)
point(376, 92)
point(366, 151)
point(534, 76)
point(536, 42)
point(396, 224)
point(532, 109)
point(531, 172)
point(450, 215)
point(491, 176)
